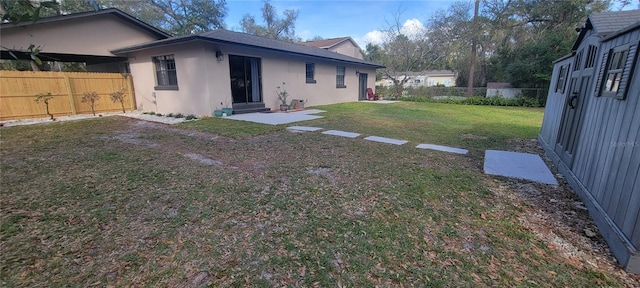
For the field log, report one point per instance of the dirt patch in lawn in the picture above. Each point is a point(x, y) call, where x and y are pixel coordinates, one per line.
point(558, 216)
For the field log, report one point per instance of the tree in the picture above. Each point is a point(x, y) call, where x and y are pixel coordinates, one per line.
point(405, 52)
point(91, 98)
point(273, 27)
point(184, 17)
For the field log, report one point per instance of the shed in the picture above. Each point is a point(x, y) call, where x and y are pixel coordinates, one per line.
point(591, 127)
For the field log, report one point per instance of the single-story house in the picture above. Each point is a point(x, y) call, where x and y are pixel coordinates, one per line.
point(195, 74)
point(86, 37)
point(428, 78)
point(591, 127)
point(343, 45)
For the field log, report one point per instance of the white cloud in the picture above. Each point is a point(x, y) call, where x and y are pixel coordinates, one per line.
point(375, 37)
point(412, 28)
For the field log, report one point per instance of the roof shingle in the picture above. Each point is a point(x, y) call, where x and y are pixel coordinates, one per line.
point(248, 40)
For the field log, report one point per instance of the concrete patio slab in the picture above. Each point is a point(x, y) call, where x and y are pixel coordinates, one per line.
point(277, 118)
point(443, 148)
point(341, 133)
point(309, 111)
point(518, 165)
point(386, 140)
point(304, 128)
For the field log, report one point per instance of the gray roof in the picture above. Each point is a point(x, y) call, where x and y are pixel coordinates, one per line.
point(113, 11)
point(252, 41)
point(609, 22)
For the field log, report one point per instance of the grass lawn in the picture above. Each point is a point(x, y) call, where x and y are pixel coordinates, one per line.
point(116, 201)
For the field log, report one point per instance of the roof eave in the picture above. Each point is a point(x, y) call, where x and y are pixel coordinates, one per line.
point(621, 31)
point(141, 47)
point(114, 11)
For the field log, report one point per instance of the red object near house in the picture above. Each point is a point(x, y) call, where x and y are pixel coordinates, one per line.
point(372, 96)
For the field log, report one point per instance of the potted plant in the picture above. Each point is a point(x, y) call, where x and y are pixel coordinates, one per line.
point(226, 109)
point(218, 112)
point(282, 96)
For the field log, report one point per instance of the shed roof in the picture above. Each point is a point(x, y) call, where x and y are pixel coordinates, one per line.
point(252, 41)
point(608, 23)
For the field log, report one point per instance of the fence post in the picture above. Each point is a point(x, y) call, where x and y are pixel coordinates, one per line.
point(130, 91)
point(70, 93)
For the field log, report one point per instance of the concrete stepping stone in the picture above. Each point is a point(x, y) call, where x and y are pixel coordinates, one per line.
point(443, 148)
point(386, 140)
point(304, 128)
point(341, 133)
point(518, 165)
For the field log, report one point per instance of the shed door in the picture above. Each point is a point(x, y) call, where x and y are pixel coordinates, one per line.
point(569, 133)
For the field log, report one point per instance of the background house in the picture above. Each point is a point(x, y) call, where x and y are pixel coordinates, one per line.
point(342, 45)
point(423, 79)
point(85, 37)
point(197, 74)
point(502, 89)
point(591, 127)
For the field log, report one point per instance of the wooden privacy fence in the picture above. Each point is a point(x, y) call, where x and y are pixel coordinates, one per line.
point(18, 90)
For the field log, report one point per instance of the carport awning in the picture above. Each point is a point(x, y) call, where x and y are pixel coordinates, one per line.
point(44, 56)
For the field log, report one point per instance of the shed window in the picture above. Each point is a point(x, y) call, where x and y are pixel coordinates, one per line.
point(340, 71)
point(615, 72)
point(577, 60)
point(310, 72)
point(166, 77)
point(562, 78)
point(591, 57)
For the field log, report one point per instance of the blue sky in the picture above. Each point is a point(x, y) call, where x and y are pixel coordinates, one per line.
point(330, 19)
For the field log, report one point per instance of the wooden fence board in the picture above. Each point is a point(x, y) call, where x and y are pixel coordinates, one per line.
point(18, 90)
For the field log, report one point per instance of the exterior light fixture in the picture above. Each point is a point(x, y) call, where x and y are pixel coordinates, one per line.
point(219, 55)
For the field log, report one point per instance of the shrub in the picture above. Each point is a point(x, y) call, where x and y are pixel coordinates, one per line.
point(91, 97)
point(118, 97)
point(190, 117)
point(179, 115)
point(45, 97)
point(170, 115)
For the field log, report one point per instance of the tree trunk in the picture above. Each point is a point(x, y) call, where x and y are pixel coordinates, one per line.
point(474, 43)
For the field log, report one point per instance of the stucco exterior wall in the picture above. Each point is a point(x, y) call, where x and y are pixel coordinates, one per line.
point(347, 48)
point(204, 82)
point(83, 36)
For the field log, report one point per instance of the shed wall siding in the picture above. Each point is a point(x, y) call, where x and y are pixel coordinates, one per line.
point(607, 160)
point(605, 171)
point(555, 105)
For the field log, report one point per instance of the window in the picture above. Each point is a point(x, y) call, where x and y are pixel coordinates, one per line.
point(562, 78)
point(311, 69)
point(615, 71)
point(340, 77)
point(591, 57)
point(166, 76)
point(577, 60)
